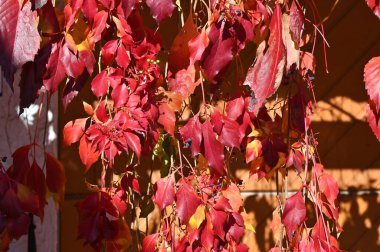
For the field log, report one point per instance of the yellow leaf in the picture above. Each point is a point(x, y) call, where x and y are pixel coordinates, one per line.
point(198, 217)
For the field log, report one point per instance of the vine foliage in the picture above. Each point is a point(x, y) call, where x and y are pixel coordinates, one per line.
point(197, 108)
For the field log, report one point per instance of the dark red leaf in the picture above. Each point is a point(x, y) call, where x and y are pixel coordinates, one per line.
point(191, 134)
point(73, 87)
point(164, 192)
point(19, 37)
point(128, 6)
point(229, 134)
point(294, 214)
point(161, 9)
point(265, 75)
point(218, 54)
point(55, 178)
point(207, 234)
point(187, 202)
point(214, 151)
point(179, 52)
point(89, 8)
point(219, 219)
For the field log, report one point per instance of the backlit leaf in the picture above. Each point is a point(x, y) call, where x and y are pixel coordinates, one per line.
point(294, 214)
point(198, 217)
point(164, 192)
point(160, 9)
point(372, 80)
point(187, 202)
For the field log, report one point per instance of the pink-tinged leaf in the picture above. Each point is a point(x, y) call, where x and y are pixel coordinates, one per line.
point(187, 202)
point(167, 118)
point(100, 20)
point(88, 59)
point(19, 37)
point(71, 63)
point(229, 134)
point(219, 219)
point(191, 135)
point(372, 81)
point(218, 54)
point(133, 142)
point(265, 75)
point(235, 108)
point(122, 58)
point(164, 192)
point(179, 52)
point(253, 150)
point(73, 131)
point(184, 82)
point(55, 178)
point(109, 51)
point(297, 20)
point(87, 152)
point(149, 243)
point(99, 84)
point(55, 71)
point(120, 95)
point(373, 120)
point(294, 214)
point(207, 235)
point(375, 6)
point(329, 187)
point(161, 9)
point(197, 46)
point(292, 50)
point(89, 9)
point(214, 150)
point(73, 87)
point(128, 6)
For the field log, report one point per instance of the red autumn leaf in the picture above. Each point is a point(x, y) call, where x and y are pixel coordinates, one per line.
point(149, 243)
point(207, 234)
point(55, 178)
point(133, 142)
point(184, 82)
point(294, 214)
point(214, 151)
point(372, 81)
point(265, 75)
point(73, 131)
point(197, 46)
point(227, 130)
point(120, 95)
point(128, 6)
point(71, 63)
point(109, 51)
point(375, 6)
point(88, 59)
point(100, 20)
point(179, 52)
point(87, 152)
point(128, 181)
point(99, 219)
point(122, 57)
point(307, 62)
point(89, 9)
point(297, 20)
point(187, 201)
point(329, 187)
point(19, 37)
point(99, 84)
point(253, 150)
point(167, 118)
point(219, 219)
point(164, 192)
point(160, 9)
point(218, 54)
point(235, 108)
point(373, 119)
point(191, 134)
point(55, 71)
